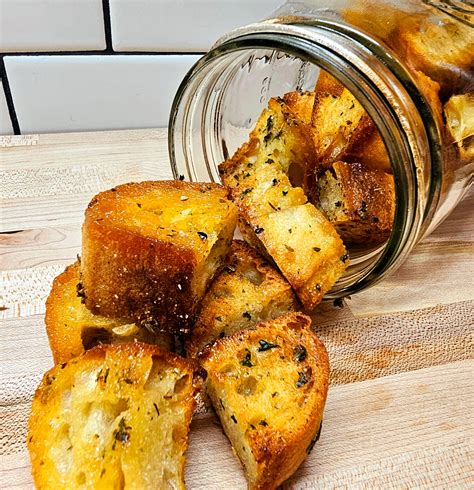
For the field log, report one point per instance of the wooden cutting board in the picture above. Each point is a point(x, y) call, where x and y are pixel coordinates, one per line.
point(399, 412)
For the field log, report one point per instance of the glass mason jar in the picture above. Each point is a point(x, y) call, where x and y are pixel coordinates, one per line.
point(402, 59)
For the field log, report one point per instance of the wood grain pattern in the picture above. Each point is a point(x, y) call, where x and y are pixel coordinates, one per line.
point(50, 183)
point(368, 428)
point(401, 394)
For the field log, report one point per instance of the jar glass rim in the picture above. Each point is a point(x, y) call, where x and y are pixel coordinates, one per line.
point(408, 215)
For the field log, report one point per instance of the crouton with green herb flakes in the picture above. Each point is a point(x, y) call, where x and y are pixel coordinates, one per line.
point(268, 387)
point(246, 292)
point(72, 328)
point(342, 129)
point(338, 123)
point(150, 249)
point(117, 416)
point(359, 202)
point(300, 105)
point(306, 248)
point(281, 139)
point(276, 218)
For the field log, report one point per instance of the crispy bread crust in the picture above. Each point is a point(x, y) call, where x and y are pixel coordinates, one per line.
point(339, 122)
point(93, 417)
point(246, 292)
point(72, 328)
point(301, 105)
point(443, 52)
point(292, 416)
point(359, 202)
point(144, 259)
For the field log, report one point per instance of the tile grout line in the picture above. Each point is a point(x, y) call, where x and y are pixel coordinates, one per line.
point(107, 26)
point(93, 52)
point(9, 98)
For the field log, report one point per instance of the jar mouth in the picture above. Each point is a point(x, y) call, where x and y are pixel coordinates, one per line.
point(198, 143)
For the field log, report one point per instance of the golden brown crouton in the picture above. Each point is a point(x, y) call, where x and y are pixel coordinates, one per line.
point(300, 105)
point(370, 152)
point(72, 328)
point(277, 220)
point(115, 417)
point(246, 292)
point(444, 51)
point(459, 113)
point(150, 249)
point(339, 122)
point(359, 202)
point(343, 130)
point(268, 387)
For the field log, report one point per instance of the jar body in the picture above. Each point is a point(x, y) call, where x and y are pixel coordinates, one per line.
point(374, 56)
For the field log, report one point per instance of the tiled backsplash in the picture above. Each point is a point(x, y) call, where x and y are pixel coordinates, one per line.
point(78, 65)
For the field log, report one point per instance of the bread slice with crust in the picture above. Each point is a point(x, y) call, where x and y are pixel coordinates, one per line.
point(150, 249)
point(359, 202)
point(268, 387)
point(246, 292)
point(115, 417)
point(72, 328)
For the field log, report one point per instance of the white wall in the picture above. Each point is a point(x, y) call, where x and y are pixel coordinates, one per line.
point(78, 65)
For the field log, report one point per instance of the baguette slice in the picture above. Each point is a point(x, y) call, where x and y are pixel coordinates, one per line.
point(72, 328)
point(117, 416)
point(246, 292)
point(359, 202)
point(150, 249)
point(268, 387)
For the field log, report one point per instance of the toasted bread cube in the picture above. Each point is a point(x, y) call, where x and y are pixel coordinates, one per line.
point(266, 200)
point(72, 328)
point(300, 105)
point(257, 187)
point(359, 202)
point(343, 130)
point(150, 249)
point(305, 247)
point(459, 112)
point(280, 138)
point(283, 137)
point(268, 387)
point(327, 84)
point(371, 152)
point(444, 51)
point(247, 291)
point(339, 121)
point(117, 416)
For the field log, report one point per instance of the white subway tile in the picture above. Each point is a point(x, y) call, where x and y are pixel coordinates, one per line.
point(79, 93)
point(51, 25)
point(180, 25)
point(5, 122)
